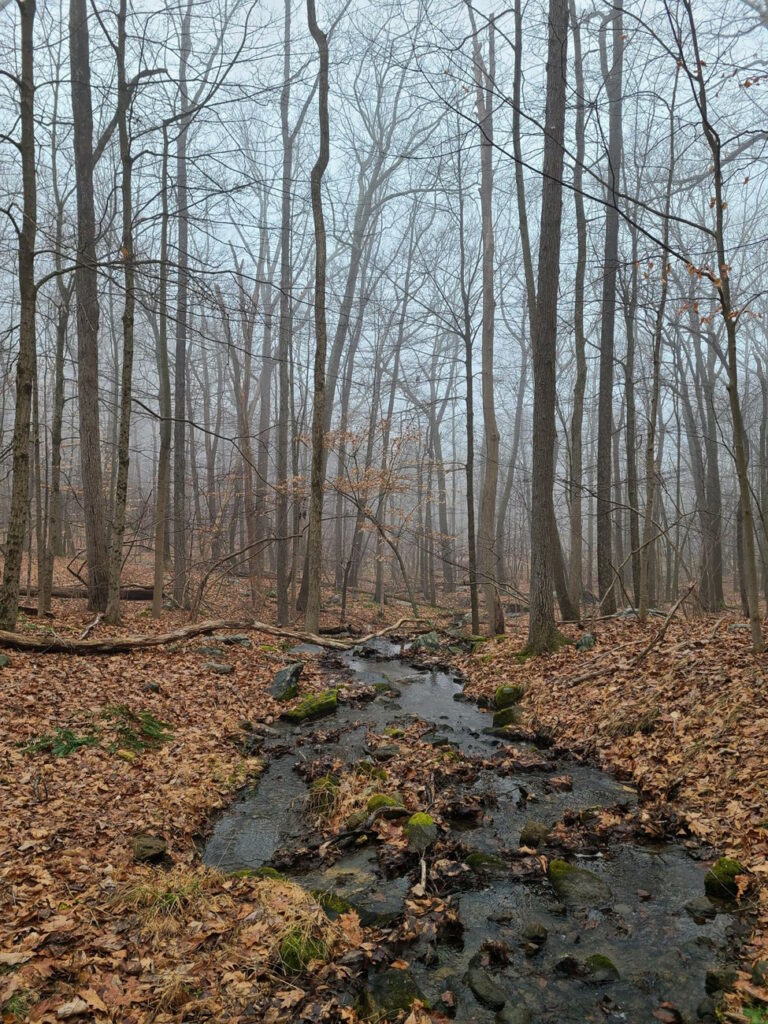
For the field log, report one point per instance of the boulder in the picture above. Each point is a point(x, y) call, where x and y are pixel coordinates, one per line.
point(316, 706)
point(389, 993)
point(421, 831)
point(285, 685)
point(485, 990)
point(219, 668)
point(534, 834)
point(511, 693)
point(427, 642)
point(148, 849)
point(511, 715)
point(720, 880)
point(577, 887)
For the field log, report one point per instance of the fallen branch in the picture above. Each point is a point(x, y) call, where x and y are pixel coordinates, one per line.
point(660, 635)
point(55, 644)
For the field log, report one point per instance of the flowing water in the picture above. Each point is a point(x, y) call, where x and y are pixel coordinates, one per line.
point(659, 950)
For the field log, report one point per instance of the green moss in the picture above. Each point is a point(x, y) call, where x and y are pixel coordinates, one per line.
point(315, 706)
point(243, 873)
point(601, 966)
point(421, 831)
point(333, 904)
point(478, 862)
point(508, 694)
point(720, 880)
point(267, 872)
point(384, 800)
point(508, 716)
point(395, 733)
point(298, 950)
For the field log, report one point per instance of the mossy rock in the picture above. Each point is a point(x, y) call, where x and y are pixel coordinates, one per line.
point(394, 732)
point(4, 661)
point(385, 687)
point(534, 834)
point(585, 642)
point(509, 694)
point(720, 880)
point(379, 800)
point(316, 706)
point(298, 950)
point(268, 872)
point(480, 862)
point(576, 886)
point(332, 903)
point(600, 969)
point(390, 992)
point(421, 831)
point(427, 642)
point(511, 715)
point(285, 685)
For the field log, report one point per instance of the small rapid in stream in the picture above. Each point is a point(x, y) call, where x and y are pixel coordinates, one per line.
point(650, 934)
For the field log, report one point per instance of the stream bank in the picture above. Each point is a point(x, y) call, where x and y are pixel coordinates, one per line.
point(581, 922)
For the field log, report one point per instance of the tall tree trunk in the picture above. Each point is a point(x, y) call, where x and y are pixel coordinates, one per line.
point(315, 537)
point(180, 593)
point(123, 447)
point(86, 289)
point(484, 87)
point(612, 76)
point(26, 363)
point(542, 632)
point(575, 569)
point(164, 399)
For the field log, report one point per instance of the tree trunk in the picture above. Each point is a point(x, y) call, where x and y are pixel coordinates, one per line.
point(315, 538)
point(26, 363)
point(612, 76)
point(542, 632)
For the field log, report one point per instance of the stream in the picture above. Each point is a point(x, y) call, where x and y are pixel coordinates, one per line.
point(640, 939)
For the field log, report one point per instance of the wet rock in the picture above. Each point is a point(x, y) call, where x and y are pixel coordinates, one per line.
point(285, 685)
point(384, 688)
point(719, 979)
point(559, 784)
point(534, 936)
point(534, 834)
point(511, 715)
point(389, 992)
point(427, 642)
point(219, 668)
point(600, 969)
point(384, 753)
point(148, 849)
point(421, 831)
point(514, 1015)
point(509, 694)
point(485, 862)
point(720, 880)
point(577, 887)
point(484, 988)
point(707, 1010)
point(315, 706)
point(701, 909)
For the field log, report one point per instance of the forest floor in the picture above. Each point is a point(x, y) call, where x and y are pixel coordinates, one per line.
point(95, 751)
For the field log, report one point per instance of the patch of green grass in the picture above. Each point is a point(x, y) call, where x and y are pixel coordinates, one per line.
point(18, 1005)
point(61, 743)
point(135, 730)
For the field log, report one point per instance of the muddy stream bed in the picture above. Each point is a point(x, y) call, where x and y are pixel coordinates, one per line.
point(630, 937)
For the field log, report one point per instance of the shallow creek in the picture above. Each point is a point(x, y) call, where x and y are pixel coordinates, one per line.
point(659, 950)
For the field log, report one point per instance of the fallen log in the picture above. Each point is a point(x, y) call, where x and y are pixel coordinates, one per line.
point(130, 592)
point(55, 644)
